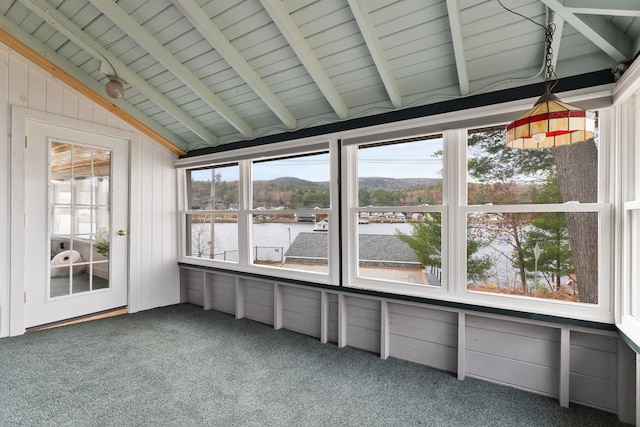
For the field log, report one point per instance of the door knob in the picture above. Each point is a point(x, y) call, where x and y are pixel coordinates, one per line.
point(122, 233)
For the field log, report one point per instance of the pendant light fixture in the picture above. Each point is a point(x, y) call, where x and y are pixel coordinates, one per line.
point(114, 87)
point(551, 122)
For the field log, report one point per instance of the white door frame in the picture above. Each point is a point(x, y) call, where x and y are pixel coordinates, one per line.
point(19, 118)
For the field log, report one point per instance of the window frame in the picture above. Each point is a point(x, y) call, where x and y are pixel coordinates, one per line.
point(211, 212)
point(351, 209)
point(603, 310)
point(252, 211)
point(245, 158)
point(454, 217)
point(625, 115)
point(453, 127)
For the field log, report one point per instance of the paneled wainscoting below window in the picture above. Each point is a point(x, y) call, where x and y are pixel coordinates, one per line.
point(574, 364)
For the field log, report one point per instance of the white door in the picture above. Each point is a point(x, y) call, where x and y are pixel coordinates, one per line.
point(76, 204)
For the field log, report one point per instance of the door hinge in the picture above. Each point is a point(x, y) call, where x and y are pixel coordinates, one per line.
point(25, 297)
point(25, 142)
point(25, 220)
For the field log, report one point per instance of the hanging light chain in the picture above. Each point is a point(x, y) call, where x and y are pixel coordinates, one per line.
point(550, 74)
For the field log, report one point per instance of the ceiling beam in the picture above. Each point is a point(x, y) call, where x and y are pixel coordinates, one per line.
point(135, 31)
point(455, 24)
point(44, 57)
point(606, 8)
point(291, 32)
point(214, 36)
point(74, 33)
point(598, 30)
point(358, 8)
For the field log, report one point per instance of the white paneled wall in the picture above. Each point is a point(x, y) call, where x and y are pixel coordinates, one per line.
point(258, 301)
point(301, 311)
point(153, 230)
point(363, 323)
point(573, 364)
point(520, 355)
point(594, 362)
point(429, 337)
point(5, 153)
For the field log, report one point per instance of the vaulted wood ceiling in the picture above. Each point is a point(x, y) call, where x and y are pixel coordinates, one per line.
point(200, 73)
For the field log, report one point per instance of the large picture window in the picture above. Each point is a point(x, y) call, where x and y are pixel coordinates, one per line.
point(291, 201)
point(396, 213)
point(533, 219)
point(212, 219)
point(455, 215)
point(265, 214)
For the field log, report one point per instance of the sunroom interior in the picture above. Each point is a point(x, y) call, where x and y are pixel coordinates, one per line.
point(338, 168)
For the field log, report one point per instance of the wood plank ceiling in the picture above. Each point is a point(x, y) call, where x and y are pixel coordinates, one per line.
point(200, 73)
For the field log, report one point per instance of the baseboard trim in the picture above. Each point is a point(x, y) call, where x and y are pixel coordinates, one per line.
point(81, 319)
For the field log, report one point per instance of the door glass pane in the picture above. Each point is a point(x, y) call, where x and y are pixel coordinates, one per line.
point(79, 208)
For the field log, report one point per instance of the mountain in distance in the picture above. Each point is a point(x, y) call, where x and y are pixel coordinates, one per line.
point(379, 183)
point(370, 183)
point(289, 181)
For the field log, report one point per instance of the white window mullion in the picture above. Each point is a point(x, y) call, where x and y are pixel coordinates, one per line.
point(182, 217)
point(459, 171)
point(606, 259)
point(454, 194)
point(633, 140)
point(631, 294)
point(349, 184)
point(244, 214)
point(334, 213)
point(633, 179)
point(625, 115)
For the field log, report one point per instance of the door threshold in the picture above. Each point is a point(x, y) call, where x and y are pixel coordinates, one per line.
point(80, 319)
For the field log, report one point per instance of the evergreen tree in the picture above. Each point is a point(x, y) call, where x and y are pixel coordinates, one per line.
point(426, 242)
point(549, 231)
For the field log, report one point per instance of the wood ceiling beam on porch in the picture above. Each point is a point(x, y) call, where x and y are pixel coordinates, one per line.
point(363, 19)
point(214, 36)
point(598, 30)
point(138, 34)
point(455, 23)
point(291, 32)
point(62, 24)
point(33, 50)
point(606, 8)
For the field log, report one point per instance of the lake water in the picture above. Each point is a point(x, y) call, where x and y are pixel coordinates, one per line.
point(274, 234)
point(279, 236)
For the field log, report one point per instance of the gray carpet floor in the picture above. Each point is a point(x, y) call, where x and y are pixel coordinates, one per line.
point(182, 366)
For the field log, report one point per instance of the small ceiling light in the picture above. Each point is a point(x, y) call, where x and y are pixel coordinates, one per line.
point(551, 122)
point(115, 87)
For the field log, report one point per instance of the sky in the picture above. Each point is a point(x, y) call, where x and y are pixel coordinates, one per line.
point(407, 160)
